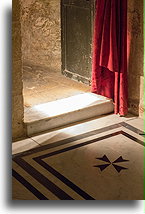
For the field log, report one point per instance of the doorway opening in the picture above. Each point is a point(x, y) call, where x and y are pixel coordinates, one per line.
point(57, 49)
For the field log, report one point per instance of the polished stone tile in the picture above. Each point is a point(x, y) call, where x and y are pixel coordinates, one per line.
point(71, 163)
point(137, 123)
point(80, 128)
point(31, 184)
point(77, 166)
point(20, 192)
point(23, 145)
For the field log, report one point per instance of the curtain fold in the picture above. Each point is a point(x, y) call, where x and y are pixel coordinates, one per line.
point(109, 60)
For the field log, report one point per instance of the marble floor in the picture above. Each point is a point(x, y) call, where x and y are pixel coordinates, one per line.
point(101, 159)
point(42, 85)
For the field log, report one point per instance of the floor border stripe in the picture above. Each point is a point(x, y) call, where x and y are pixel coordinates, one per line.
point(78, 137)
point(43, 180)
point(64, 180)
point(29, 186)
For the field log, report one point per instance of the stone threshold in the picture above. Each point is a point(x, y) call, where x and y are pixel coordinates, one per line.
point(55, 114)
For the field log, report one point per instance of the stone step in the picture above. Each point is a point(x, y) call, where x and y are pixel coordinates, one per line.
point(44, 117)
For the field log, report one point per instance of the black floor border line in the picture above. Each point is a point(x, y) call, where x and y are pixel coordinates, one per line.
point(51, 186)
point(68, 140)
point(43, 180)
point(28, 186)
point(90, 142)
point(142, 143)
point(62, 178)
point(66, 181)
point(132, 128)
point(78, 137)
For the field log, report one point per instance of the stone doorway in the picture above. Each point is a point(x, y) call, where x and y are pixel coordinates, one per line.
point(41, 85)
point(44, 45)
point(47, 65)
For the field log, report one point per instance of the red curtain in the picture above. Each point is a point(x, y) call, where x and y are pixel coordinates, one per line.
point(109, 62)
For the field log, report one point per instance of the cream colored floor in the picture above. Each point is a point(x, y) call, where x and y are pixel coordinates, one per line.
point(63, 164)
point(42, 85)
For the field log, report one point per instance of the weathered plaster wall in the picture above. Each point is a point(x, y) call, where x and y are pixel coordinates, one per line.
point(135, 66)
point(17, 98)
point(41, 37)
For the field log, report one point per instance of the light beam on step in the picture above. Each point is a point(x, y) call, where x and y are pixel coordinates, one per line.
point(68, 104)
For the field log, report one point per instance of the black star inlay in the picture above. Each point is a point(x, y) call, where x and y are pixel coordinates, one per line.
point(117, 167)
point(104, 158)
point(102, 167)
point(120, 159)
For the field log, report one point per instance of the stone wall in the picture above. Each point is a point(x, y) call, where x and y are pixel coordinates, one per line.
point(135, 66)
point(41, 42)
point(36, 39)
point(41, 36)
point(17, 98)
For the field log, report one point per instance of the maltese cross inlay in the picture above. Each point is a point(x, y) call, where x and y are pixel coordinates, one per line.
point(114, 163)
